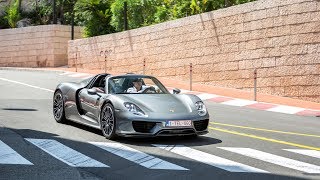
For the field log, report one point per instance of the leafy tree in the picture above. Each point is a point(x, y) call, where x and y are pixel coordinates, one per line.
point(181, 8)
point(106, 16)
point(12, 14)
point(140, 13)
point(95, 16)
point(172, 9)
point(147, 12)
point(40, 12)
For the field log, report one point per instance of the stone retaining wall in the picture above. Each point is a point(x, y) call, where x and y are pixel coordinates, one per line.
point(35, 46)
point(279, 38)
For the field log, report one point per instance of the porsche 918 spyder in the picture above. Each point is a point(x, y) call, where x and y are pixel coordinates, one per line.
point(130, 105)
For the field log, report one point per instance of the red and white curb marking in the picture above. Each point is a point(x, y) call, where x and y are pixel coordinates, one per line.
point(229, 101)
point(252, 104)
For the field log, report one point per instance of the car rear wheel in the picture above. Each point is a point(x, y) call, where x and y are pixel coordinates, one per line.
point(58, 107)
point(108, 121)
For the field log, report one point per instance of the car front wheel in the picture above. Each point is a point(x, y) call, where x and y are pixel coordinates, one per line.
point(58, 107)
point(108, 121)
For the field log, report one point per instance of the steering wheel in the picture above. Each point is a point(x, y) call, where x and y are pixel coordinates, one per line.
point(149, 89)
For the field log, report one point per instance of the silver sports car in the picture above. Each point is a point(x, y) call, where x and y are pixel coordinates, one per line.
point(130, 105)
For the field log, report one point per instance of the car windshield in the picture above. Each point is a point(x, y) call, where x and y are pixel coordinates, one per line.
point(136, 85)
point(86, 81)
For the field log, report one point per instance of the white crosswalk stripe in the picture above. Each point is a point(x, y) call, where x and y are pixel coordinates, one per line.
point(274, 159)
point(137, 157)
point(209, 159)
point(10, 156)
point(311, 153)
point(65, 154)
point(76, 159)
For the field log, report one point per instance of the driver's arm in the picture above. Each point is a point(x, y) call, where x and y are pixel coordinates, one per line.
point(99, 89)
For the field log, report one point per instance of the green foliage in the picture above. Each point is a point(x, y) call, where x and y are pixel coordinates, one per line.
point(195, 7)
point(181, 9)
point(147, 12)
point(3, 22)
point(95, 16)
point(140, 13)
point(64, 10)
point(12, 14)
point(173, 9)
point(40, 13)
point(106, 16)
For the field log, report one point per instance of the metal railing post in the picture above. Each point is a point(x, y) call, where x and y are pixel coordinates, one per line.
point(144, 66)
point(76, 60)
point(190, 77)
point(105, 63)
point(255, 84)
point(104, 53)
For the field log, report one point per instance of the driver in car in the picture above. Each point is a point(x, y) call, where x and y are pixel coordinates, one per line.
point(138, 87)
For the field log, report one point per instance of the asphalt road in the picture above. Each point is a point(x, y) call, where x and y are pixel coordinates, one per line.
point(242, 143)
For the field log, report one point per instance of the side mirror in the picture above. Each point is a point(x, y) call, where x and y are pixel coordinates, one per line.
point(176, 91)
point(92, 91)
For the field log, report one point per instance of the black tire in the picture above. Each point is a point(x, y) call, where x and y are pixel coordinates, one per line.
point(108, 121)
point(58, 107)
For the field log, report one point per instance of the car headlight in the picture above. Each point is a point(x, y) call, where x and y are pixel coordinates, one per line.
point(201, 108)
point(133, 108)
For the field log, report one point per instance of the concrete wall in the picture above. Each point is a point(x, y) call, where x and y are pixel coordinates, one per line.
point(35, 46)
point(278, 37)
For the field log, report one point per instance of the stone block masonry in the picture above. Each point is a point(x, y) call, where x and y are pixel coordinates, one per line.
point(279, 38)
point(35, 46)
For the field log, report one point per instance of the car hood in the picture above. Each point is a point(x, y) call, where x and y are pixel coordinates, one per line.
point(160, 103)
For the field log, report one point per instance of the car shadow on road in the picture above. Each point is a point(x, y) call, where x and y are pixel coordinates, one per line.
point(182, 140)
point(19, 109)
point(174, 140)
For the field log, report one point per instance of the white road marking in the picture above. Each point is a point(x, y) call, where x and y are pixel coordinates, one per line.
point(274, 159)
point(209, 159)
point(10, 156)
point(137, 157)
point(205, 96)
point(286, 109)
point(238, 102)
point(65, 154)
point(79, 75)
point(36, 87)
point(307, 152)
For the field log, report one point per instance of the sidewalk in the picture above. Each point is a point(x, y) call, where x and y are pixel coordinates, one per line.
point(228, 95)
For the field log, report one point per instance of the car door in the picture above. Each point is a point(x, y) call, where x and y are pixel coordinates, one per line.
point(89, 103)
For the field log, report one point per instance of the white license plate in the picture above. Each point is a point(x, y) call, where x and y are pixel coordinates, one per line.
point(182, 123)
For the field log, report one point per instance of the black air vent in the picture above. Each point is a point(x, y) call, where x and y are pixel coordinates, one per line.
point(143, 126)
point(201, 125)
